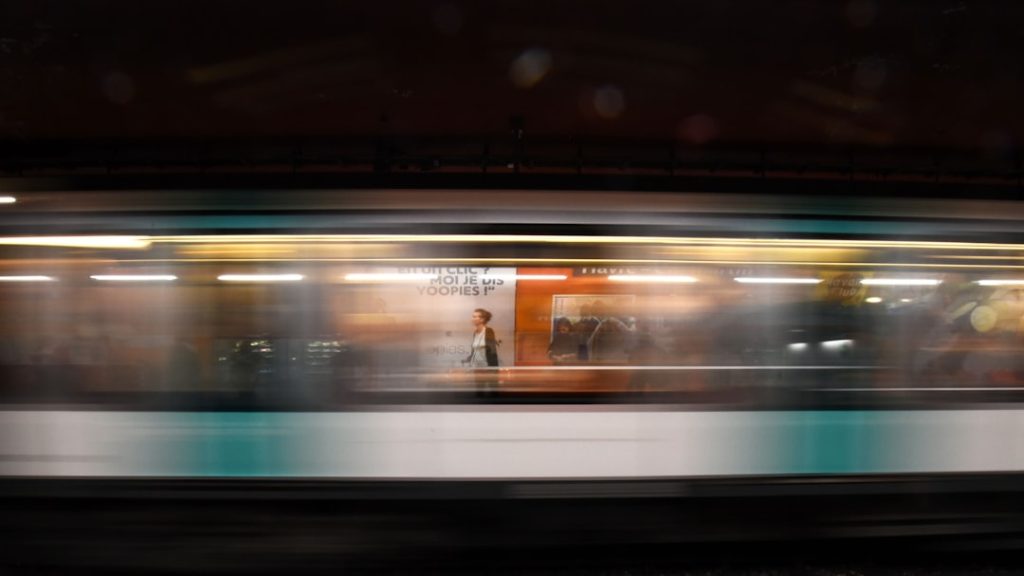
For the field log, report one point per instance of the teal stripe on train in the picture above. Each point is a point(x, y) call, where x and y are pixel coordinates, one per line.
point(216, 444)
point(495, 443)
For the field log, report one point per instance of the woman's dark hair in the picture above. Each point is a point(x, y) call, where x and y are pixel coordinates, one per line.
point(563, 321)
point(486, 315)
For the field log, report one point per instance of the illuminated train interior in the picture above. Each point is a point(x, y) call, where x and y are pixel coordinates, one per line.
point(350, 321)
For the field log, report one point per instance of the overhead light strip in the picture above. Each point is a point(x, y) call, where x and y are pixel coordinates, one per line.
point(652, 278)
point(260, 277)
point(900, 282)
point(28, 278)
point(126, 242)
point(390, 277)
point(999, 282)
point(760, 280)
point(526, 277)
point(134, 277)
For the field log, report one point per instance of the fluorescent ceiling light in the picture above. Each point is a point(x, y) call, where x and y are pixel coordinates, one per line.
point(134, 277)
point(900, 282)
point(836, 344)
point(1001, 282)
point(78, 241)
point(761, 280)
point(652, 278)
point(527, 277)
point(8, 199)
point(260, 277)
point(26, 279)
point(389, 277)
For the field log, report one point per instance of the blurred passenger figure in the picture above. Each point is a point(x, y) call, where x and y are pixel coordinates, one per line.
point(564, 347)
point(584, 329)
point(610, 340)
point(484, 352)
point(588, 322)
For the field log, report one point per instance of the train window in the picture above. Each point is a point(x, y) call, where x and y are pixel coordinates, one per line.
point(339, 336)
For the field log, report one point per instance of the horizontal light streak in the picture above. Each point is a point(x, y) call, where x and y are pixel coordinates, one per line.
point(576, 239)
point(976, 257)
point(128, 242)
point(555, 277)
point(997, 282)
point(28, 278)
point(836, 344)
point(652, 278)
point(873, 300)
point(134, 277)
point(8, 199)
point(390, 277)
point(145, 241)
point(526, 277)
point(680, 368)
point(260, 277)
point(549, 262)
point(925, 389)
point(900, 282)
point(765, 280)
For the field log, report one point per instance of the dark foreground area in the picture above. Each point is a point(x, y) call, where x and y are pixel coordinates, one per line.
point(922, 526)
point(306, 556)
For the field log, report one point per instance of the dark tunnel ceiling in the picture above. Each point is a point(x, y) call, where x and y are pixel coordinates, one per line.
point(887, 77)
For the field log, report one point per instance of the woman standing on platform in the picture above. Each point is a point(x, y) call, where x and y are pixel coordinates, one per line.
point(484, 355)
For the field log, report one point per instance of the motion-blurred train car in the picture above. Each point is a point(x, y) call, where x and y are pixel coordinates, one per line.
point(665, 338)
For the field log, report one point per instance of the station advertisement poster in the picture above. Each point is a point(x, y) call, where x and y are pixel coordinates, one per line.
point(440, 304)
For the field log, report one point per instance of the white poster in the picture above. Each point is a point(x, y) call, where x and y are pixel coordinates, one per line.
point(440, 304)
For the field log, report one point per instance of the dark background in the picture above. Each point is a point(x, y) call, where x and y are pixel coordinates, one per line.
point(828, 89)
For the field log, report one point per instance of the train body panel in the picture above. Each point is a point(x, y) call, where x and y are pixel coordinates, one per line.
point(475, 444)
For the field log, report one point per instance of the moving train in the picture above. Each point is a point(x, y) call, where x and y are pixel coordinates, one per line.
point(637, 336)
